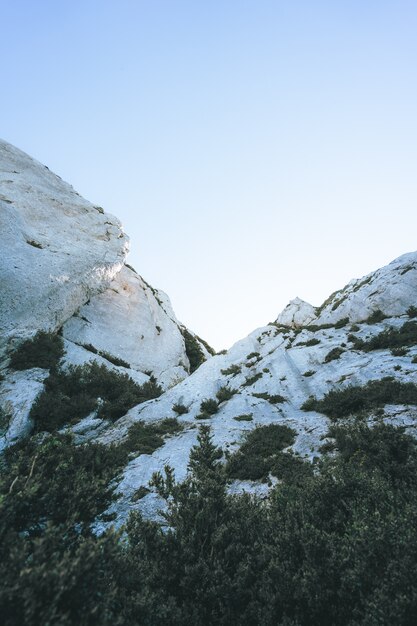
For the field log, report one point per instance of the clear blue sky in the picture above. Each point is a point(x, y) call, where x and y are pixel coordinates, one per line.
point(254, 151)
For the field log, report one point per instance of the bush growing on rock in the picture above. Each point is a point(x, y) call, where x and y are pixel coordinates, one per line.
point(44, 350)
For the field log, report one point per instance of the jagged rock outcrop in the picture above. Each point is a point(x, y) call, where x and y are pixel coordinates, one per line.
point(62, 268)
point(58, 250)
point(297, 313)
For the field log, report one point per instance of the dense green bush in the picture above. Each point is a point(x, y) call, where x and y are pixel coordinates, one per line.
point(390, 338)
point(224, 394)
point(412, 311)
point(353, 399)
point(209, 406)
point(45, 350)
point(274, 399)
point(251, 380)
point(193, 350)
point(334, 354)
point(336, 547)
point(180, 409)
point(244, 417)
point(233, 370)
point(258, 455)
point(72, 394)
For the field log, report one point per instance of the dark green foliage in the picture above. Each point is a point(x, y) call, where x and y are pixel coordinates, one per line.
point(341, 323)
point(180, 409)
point(71, 395)
point(309, 373)
point(275, 399)
point(145, 438)
point(45, 350)
point(336, 547)
point(399, 351)
point(412, 311)
point(140, 493)
point(252, 355)
point(414, 359)
point(106, 355)
point(224, 394)
point(209, 349)
point(209, 406)
point(350, 400)
point(311, 342)
point(333, 355)
point(4, 421)
point(58, 482)
point(354, 328)
point(245, 417)
point(252, 379)
point(233, 370)
point(193, 350)
point(257, 456)
point(390, 338)
point(375, 317)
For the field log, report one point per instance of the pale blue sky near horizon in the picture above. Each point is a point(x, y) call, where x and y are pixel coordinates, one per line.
point(254, 151)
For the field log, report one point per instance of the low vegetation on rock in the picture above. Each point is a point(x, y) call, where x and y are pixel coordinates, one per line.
point(44, 350)
point(339, 403)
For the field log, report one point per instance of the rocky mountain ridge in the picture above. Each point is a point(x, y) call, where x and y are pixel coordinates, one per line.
point(106, 313)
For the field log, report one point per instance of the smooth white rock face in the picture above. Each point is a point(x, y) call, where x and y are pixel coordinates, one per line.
point(17, 395)
point(129, 320)
point(57, 249)
point(297, 313)
point(391, 289)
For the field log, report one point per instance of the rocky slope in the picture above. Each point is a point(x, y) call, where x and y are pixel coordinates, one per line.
point(62, 269)
point(74, 279)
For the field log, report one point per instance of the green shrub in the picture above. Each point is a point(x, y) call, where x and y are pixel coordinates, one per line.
point(72, 394)
point(252, 379)
point(275, 399)
point(375, 317)
point(354, 328)
point(257, 455)
point(414, 359)
point(224, 394)
point(354, 399)
point(391, 338)
point(145, 438)
point(312, 342)
point(193, 350)
point(180, 409)
point(45, 350)
point(233, 370)
point(309, 373)
point(209, 406)
point(341, 323)
point(412, 311)
point(252, 355)
point(333, 355)
point(399, 351)
point(245, 417)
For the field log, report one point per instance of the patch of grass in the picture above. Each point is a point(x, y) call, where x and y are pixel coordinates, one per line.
point(71, 395)
point(224, 394)
point(245, 417)
point(233, 370)
point(309, 373)
point(333, 355)
point(275, 399)
point(354, 399)
point(115, 360)
point(180, 409)
point(252, 355)
point(354, 328)
point(258, 454)
point(44, 350)
point(252, 379)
